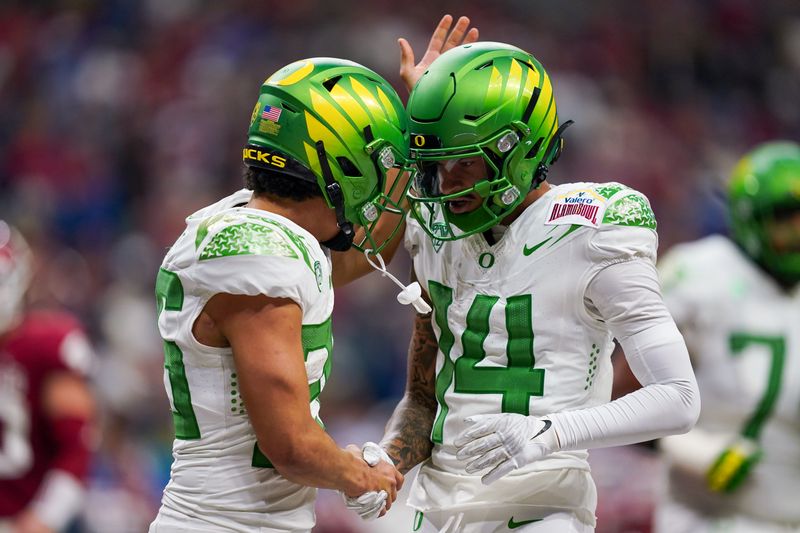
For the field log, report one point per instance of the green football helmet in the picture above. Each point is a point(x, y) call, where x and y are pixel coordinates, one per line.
point(764, 191)
point(337, 124)
point(487, 100)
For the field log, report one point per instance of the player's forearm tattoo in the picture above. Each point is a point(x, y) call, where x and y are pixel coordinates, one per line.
point(407, 438)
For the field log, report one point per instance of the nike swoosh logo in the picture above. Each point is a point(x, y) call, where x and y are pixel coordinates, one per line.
point(547, 425)
point(515, 525)
point(528, 251)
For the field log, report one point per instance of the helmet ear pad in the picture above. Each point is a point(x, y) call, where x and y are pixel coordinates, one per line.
point(521, 164)
point(522, 160)
point(554, 149)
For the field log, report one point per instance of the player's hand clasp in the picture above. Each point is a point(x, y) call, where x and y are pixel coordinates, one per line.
point(370, 505)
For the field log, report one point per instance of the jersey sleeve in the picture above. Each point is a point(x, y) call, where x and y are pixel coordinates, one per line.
point(623, 293)
point(628, 229)
point(252, 258)
point(611, 245)
point(627, 207)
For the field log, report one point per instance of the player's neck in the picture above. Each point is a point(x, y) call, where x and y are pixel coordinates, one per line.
point(531, 197)
point(312, 215)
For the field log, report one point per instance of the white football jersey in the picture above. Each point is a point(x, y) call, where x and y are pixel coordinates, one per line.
point(515, 330)
point(743, 332)
point(219, 478)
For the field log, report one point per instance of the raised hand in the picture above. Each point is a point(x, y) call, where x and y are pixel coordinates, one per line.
point(440, 42)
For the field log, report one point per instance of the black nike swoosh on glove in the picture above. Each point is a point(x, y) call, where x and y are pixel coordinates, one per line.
point(547, 425)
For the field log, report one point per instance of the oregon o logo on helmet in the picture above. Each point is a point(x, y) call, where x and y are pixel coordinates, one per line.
point(486, 260)
point(419, 140)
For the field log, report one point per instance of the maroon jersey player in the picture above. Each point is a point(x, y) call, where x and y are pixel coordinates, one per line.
point(46, 408)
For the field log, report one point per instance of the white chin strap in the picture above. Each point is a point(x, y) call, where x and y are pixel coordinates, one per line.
point(410, 295)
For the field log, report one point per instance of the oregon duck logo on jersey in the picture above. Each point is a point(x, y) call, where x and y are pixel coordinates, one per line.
point(318, 274)
point(438, 229)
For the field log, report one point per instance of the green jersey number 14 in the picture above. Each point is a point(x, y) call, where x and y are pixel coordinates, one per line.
point(517, 382)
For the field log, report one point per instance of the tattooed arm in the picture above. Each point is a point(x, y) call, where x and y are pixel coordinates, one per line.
point(407, 438)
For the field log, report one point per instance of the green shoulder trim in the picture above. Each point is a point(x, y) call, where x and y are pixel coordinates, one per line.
point(248, 238)
point(202, 229)
point(631, 210)
point(607, 190)
point(298, 240)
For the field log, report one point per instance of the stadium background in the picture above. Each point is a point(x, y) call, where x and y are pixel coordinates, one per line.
point(118, 118)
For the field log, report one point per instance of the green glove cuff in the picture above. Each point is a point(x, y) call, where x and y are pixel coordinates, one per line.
point(732, 466)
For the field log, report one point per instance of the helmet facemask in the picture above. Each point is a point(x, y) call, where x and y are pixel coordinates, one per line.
point(500, 190)
point(499, 196)
point(385, 159)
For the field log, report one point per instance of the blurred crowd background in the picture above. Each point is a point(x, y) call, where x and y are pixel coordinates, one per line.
point(118, 118)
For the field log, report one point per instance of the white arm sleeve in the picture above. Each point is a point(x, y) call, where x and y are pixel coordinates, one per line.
point(626, 296)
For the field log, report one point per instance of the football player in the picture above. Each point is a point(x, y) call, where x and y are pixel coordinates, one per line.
point(509, 378)
point(737, 304)
point(46, 407)
point(245, 297)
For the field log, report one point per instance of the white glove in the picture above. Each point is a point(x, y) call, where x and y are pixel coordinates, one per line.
point(504, 442)
point(373, 454)
point(370, 504)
